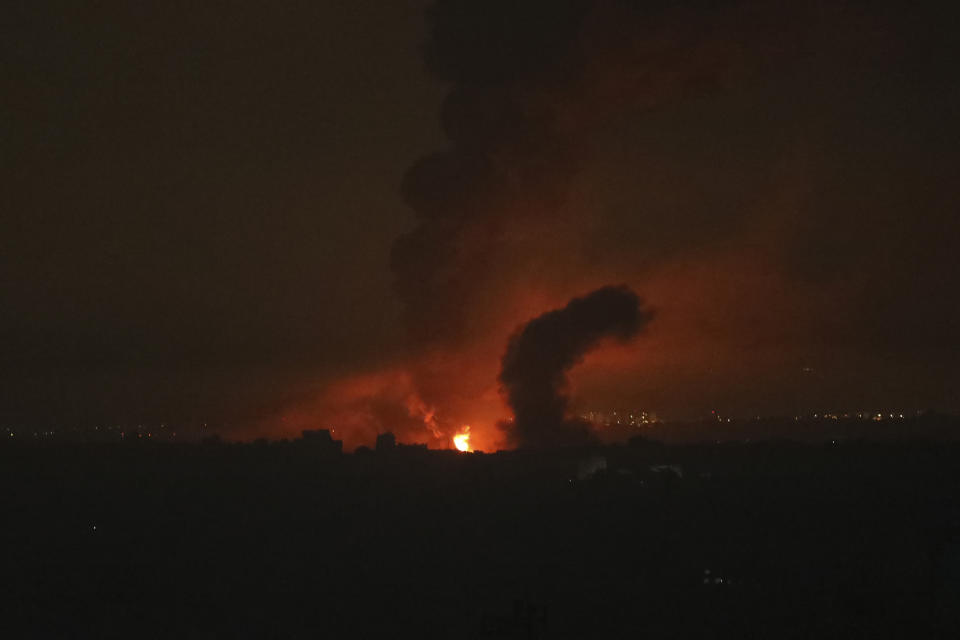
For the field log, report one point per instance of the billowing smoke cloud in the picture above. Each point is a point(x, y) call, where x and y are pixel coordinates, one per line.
point(528, 81)
point(542, 352)
point(501, 229)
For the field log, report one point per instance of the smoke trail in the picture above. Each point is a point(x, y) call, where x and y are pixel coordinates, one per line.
point(541, 353)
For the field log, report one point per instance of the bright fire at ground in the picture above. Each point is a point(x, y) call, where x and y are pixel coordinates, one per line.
point(462, 440)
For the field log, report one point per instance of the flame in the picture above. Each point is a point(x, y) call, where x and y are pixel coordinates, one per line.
point(462, 440)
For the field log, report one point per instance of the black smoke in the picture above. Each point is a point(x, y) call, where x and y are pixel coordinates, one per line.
point(505, 158)
point(541, 353)
point(534, 88)
point(528, 82)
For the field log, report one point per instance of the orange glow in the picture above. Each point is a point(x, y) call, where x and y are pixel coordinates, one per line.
point(462, 440)
point(428, 397)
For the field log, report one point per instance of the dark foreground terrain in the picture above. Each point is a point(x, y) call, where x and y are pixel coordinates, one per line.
point(284, 540)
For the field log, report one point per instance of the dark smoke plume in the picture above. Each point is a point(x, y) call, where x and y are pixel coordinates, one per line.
point(528, 81)
point(532, 85)
point(541, 353)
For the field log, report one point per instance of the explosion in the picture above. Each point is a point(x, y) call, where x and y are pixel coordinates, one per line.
point(462, 440)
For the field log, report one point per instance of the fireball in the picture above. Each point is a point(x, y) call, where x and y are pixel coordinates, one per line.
point(462, 440)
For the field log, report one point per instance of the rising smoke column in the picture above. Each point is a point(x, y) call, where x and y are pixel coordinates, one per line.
point(530, 83)
point(529, 80)
point(541, 353)
point(507, 157)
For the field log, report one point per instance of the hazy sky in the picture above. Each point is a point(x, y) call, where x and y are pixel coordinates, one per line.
point(201, 203)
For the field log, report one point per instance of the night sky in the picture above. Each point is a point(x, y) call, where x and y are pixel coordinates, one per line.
point(273, 215)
